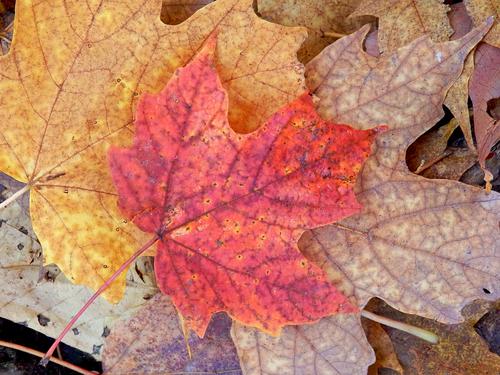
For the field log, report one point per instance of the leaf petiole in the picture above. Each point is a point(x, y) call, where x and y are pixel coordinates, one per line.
point(415, 331)
point(14, 196)
point(102, 288)
point(60, 362)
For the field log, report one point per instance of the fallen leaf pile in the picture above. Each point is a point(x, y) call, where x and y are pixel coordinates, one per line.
point(196, 124)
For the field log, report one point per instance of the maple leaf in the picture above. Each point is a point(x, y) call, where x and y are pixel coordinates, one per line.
point(425, 247)
point(483, 89)
point(101, 57)
point(152, 342)
point(402, 21)
point(229, 208)
point(435, 230)
point(33, 294)
point(334, 345)
point(325, 20)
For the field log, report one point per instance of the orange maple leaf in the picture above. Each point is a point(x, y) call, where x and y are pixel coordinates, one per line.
point(229, 208)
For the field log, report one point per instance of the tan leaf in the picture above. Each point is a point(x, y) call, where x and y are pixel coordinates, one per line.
point(321, 17)
point(152, 342)
point(43, 299)
point(334, 345)
point(426, 247)
point(403, 21)
point(174, 12)
point(102, 56)
point(479, 10)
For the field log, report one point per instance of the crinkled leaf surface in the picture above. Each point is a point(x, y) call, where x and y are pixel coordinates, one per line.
point(319, 16)
point(229, 208)
point(43, 299)
point(334, 345)
point(152, 342)
point(426, 247)
point(485, 85)
point(67, 91)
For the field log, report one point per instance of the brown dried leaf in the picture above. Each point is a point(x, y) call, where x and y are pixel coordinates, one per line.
point(334, 345)
point(458, 94)
point(426, 247)
point(429, 147)
point(384, 350)
point(460, 350)
point(152, 342)
point(479, 10)
point(28, 290)
point(319, 16)
point(455, 163)
point(174, 12)
point(403, 21)
point(485, 85)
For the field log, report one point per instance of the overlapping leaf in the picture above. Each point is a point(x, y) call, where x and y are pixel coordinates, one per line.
point(334, 345)
point(152, 342)
point(426, 247)
point(397, 247)
point(323, 19)
point(228, 209)
point(67, 91)
point(41, 298)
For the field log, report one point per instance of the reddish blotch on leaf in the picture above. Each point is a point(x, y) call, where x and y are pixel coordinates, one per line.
point(229, 208)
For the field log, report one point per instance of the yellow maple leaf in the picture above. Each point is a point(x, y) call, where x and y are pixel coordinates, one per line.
point(67, 91)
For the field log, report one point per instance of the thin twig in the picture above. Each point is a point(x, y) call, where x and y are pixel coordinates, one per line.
point(14, 196)
point(415, 331)
point(40, 354)
point(101, 289)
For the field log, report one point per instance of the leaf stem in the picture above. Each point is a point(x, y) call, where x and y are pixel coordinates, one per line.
point(40, 354)
point(333, 34)
point(415, 331)
point(101, 289)
point(14, 196)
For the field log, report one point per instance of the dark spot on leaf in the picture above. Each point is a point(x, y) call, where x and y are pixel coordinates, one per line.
point(23, 230)
point(76, 332)
point(43, 320)
point(106, 331)
point(96, 349)
point(486, 291)
point(20, 246)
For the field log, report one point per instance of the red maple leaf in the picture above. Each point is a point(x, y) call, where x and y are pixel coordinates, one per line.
point(229, 208)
